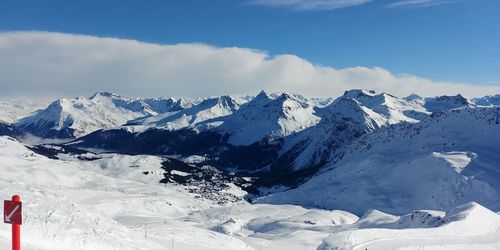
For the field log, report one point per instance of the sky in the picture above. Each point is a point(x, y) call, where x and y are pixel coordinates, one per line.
point(59, 48)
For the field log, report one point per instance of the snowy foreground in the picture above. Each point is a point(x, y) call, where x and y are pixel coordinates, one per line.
point(108, 204)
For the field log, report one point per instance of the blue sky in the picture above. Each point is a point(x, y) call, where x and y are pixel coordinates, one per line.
point(453, 41)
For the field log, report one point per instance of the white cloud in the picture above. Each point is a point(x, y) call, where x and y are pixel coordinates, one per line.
point(311, 4)
point(53, 64)
point(307, 5)
point(420, 3)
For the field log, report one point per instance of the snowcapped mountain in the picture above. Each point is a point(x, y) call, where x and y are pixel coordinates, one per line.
point(244, 120)
point(354, 114)
point(72, 118)
point(273, 115)
point(491, 100)
point(437, 163)
point(392, 109)
point(199, 117)
point(170, 104)
point(265, 116)
point(350, 116)
point(441, 103)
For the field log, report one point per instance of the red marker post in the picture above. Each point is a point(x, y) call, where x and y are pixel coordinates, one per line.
point(12, 214)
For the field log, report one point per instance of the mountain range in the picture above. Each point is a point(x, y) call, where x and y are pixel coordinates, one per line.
point(361, 143)
point(270, 171)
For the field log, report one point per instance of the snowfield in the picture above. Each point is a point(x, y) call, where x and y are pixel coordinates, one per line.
point(102, 204)
point(109, 203)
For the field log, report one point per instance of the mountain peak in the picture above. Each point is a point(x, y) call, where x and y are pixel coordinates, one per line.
point(490, 100)
point(442, 103)
point(452, 98)
point(263, 95)
point(291, 96)
point(104, 94)
point(413, 97)
point(354, 93)
point(225, 101)
point(71, 118)
point(59, 104)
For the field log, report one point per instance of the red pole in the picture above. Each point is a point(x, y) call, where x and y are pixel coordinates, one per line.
point(16, 229)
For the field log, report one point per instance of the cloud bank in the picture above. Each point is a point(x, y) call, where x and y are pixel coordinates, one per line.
point(43, 64)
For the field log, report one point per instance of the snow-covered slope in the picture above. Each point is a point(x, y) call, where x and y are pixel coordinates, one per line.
point(111, 203)
point(469, 226)
point(265, 116)
point(443, 161)
point(102, 204)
